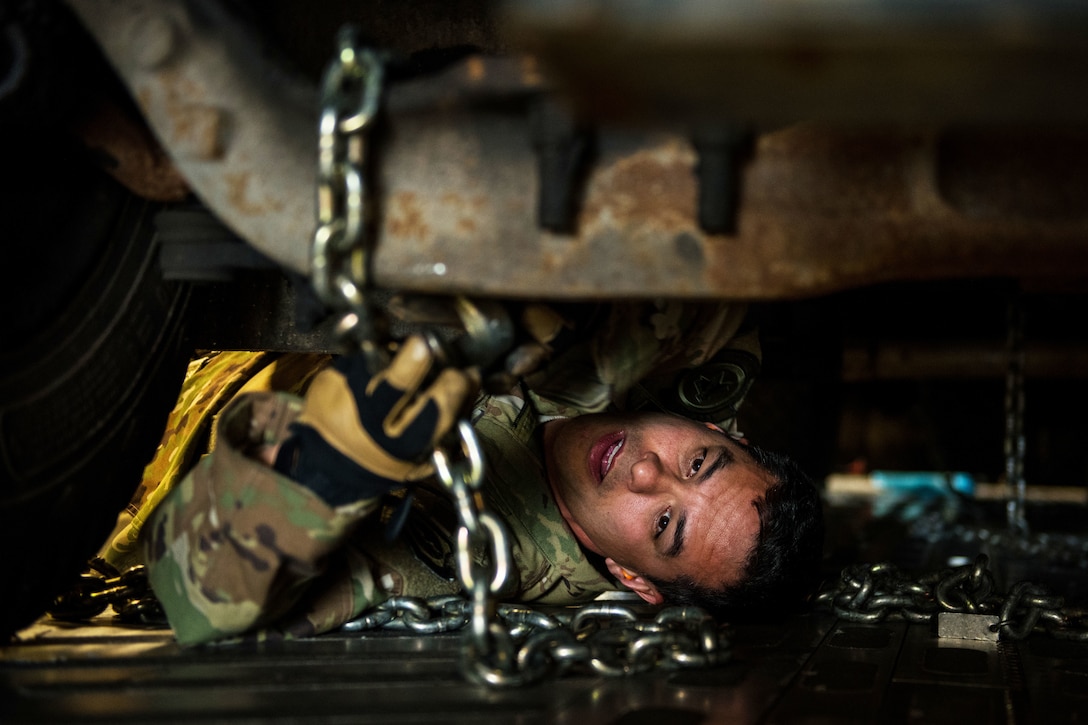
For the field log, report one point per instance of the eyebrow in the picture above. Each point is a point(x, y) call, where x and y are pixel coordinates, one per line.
point(725, 457)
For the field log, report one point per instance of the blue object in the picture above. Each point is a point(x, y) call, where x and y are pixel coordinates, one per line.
point(907, 495)
point(923, 482)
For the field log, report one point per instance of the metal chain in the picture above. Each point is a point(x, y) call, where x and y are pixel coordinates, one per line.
point(129, 594)
point(462, 474)
point(875, 592)
point(510, 647)
point(340, 255)
point(1015, 444)
point(603, 638)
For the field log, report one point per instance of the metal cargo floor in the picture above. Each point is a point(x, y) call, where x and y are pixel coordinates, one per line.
point(813, 668)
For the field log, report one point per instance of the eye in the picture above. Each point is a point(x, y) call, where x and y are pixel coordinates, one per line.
point(662, 523)
point(698, 462)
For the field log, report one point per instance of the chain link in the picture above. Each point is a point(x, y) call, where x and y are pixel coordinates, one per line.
point(875, 592)
point(129, 593)
point(528, 645)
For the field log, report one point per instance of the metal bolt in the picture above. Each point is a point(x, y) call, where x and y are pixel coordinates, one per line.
point(152, 40)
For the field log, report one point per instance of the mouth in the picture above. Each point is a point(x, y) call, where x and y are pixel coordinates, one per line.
point(604, 453)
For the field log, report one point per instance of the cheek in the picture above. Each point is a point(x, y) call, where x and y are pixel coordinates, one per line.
point(623, 522)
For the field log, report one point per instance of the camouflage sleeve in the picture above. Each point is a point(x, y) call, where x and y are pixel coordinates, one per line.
point(212, 381)
point(704, 359)
point(235, 546)
point(658, 338)
point(642, 352)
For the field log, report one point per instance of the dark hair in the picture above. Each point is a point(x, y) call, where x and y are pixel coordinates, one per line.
point(783, 568)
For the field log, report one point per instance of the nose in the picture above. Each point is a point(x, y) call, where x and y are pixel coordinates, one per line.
point(647, 474)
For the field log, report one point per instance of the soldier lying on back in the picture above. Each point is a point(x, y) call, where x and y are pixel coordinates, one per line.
point(282, 527)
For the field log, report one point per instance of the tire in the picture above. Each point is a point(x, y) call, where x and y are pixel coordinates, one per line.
point(84, 391)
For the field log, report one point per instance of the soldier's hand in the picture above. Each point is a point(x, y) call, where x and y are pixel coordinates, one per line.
point(360, 435)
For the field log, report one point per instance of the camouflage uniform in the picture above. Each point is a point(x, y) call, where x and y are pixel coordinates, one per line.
point(237, 547)
point(212, 381)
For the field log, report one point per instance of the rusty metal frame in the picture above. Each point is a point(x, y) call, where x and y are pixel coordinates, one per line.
point(821, 208)
point(242, 130)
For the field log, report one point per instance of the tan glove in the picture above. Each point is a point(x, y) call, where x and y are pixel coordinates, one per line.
point(359, 435)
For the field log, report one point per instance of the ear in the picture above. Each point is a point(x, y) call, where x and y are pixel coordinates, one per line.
point(738, 437)
point(639, 585)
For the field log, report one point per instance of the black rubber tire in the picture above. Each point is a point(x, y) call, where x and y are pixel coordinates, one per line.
point(83, 404)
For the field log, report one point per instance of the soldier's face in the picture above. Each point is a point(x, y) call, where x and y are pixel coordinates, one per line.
point(656, 495)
